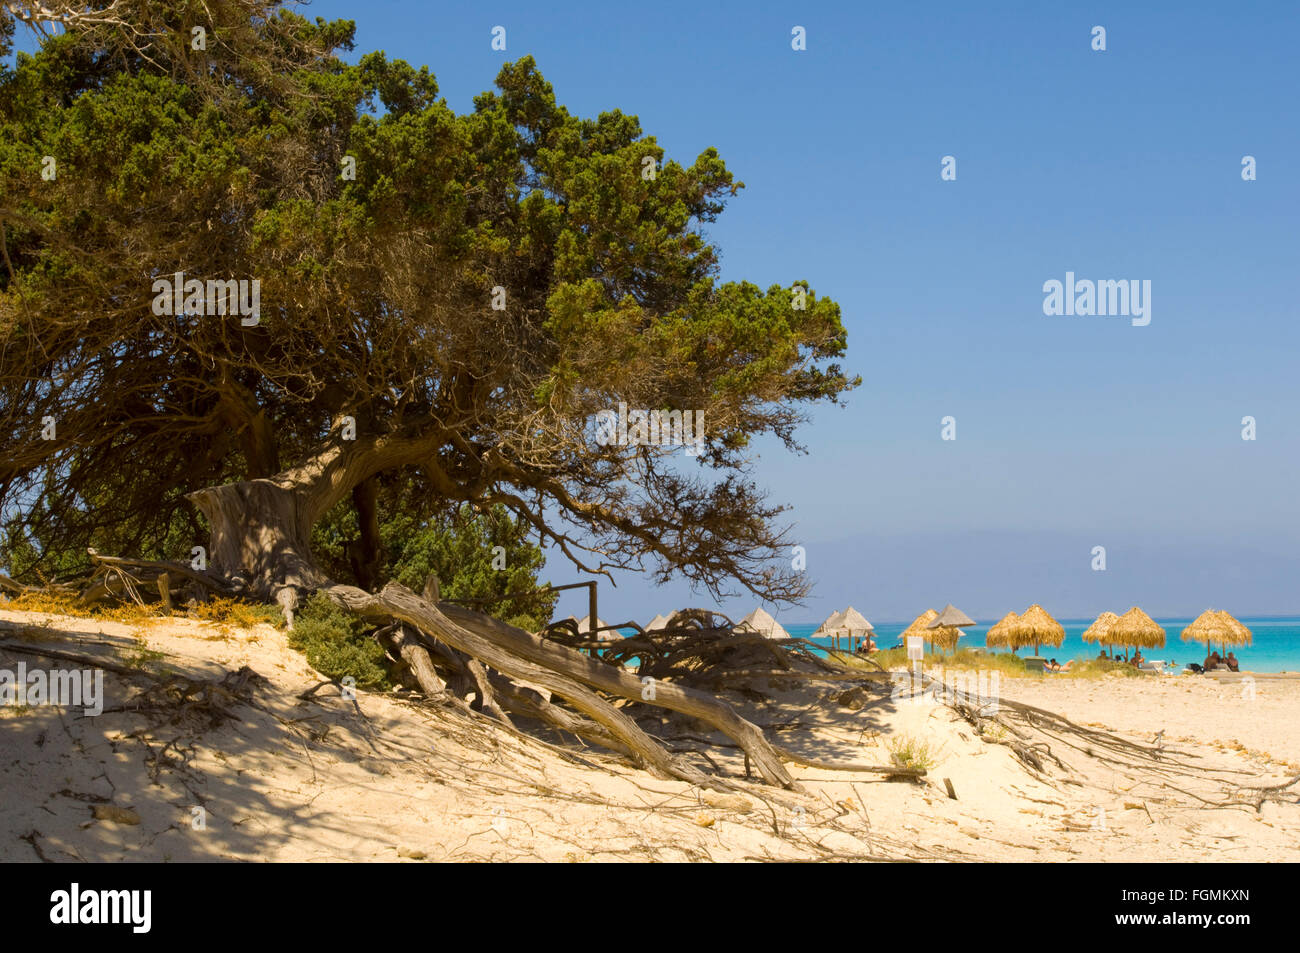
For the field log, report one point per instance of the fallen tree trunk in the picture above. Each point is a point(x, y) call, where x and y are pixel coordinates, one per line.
point(618, 681)
point(398, 602)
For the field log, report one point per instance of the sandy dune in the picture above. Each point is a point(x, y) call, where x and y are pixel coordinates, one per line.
point(278, 777)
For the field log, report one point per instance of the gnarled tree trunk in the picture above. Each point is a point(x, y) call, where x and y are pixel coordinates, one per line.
point(261, 540)
point(261, 537)
point(261, 528)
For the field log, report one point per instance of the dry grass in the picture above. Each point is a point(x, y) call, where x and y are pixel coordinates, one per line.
point(964, 659)
point(226, 614)
point(60, 604)
point(1101, 668)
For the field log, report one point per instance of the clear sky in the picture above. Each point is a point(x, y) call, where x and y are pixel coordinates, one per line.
point(1072, 432)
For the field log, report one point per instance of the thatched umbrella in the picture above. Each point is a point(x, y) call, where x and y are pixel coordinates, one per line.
point(1217, 626)
point(585, 627)
point(831, 628)
point(660, 621)
point(920, 623)
point(943, 638)
point(997, 637)
point(762, 622)
point(855, 625)
point(944, 629)
point(1208, 627)
point(1035, 627)
point(1099, 631)
point(953, 616)
point(1137, 629)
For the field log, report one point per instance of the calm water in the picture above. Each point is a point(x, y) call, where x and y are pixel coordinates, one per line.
point(1276, 647)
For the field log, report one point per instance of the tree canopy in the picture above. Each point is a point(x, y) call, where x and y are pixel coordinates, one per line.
point(446, 302)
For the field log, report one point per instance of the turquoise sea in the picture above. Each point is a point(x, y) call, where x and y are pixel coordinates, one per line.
point(1276, 647)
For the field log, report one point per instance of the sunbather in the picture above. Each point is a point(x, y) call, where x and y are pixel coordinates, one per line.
point(1231, 662)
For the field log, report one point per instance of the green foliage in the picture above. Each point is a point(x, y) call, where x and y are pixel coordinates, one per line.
point(374, 295)
point(336, 645)
point(909, 752)
point(32, 549)
point(460, 545)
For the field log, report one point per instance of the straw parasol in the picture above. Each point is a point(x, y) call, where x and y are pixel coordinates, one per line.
point(1217, 626)
point(919, 625)
point(944, 637)
point(762, 622)
point(831, 628)
point(1035, 627)
point(1099, 631)
point(855, 625)
point(1136, 628)
point(953, 616)
point(996, 637)
point(585, 628)
point(944, 629)
point(1243, 634)
point(658, 622)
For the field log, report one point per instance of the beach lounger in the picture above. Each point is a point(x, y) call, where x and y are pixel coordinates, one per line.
point(1034, 663)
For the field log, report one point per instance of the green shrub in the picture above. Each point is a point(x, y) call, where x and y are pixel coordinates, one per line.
point(336, 645)
point(909, 752)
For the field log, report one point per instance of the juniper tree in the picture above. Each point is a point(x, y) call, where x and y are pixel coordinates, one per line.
point(450, 297)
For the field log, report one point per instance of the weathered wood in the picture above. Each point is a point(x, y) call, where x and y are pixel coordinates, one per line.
point(10, 585)
point(618, 681)
point(399, 602)
point(417, 658)
point(890, 770)
point(205, 578)
point(165, 591)
point(487, 697)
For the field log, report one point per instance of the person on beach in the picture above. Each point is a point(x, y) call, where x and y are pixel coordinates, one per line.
point(1102, 655)
point(1231, 662)
point(1137, 658)
point(1212, 662)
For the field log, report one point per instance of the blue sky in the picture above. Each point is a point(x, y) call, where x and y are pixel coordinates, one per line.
point(1071, 431)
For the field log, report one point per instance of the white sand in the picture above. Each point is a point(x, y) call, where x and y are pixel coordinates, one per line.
point(315, 780)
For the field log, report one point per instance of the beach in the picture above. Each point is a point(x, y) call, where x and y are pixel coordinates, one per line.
point(227, 728)
point(1260, 714)
point(1275, 648)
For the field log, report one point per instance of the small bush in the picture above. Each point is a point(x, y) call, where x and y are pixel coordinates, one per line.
point(1099, 668)
point(908, 752)
point(336, 645)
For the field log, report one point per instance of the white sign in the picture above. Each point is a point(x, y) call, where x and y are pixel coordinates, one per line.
point(915, 648)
